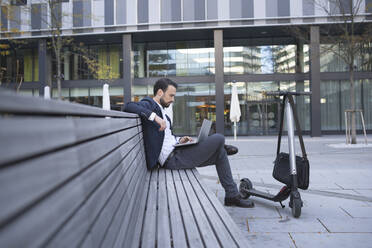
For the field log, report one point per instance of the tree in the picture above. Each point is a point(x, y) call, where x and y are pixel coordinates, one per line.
point(51, 18)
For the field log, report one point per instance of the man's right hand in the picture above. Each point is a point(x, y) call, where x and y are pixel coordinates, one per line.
point(161, 123)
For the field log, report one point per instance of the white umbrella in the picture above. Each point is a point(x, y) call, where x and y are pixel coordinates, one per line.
point(234, 108)
point(46, 92)
point(106, 98)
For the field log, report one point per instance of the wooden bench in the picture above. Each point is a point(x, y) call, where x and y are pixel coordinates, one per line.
point(75, 176)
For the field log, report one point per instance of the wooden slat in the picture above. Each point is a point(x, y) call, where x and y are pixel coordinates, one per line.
point(128, 223)
point(177, 225)
point(21, 138)
point(192, 232)
point(163, 233)
point(133, 239)
point(107, 226)
point(218, 226)
point(124, 209)
point(42, 220)
point(225, 217)
point(26, 182)
point(75, 229)
point(149, 226)
point(204, 226)
point(14, 103)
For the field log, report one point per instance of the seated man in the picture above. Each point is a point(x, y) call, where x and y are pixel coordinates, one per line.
point(159, 142)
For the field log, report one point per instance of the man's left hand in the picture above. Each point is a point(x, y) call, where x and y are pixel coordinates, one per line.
point(185, 139)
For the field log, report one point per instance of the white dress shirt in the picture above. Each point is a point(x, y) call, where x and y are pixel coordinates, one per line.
point(169, 139)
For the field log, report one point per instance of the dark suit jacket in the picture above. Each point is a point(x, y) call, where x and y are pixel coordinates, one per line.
point(153, 138)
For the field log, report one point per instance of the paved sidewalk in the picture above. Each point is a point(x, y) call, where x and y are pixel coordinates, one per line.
point(337, 208)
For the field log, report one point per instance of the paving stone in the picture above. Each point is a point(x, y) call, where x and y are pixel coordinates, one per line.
point(264, 240)
point(262, 210)
point(338, 198)
point(309, 213)
point(354, 225)
point(326, 240)
point(285, 225)
point(364, 192)
point(359, 212)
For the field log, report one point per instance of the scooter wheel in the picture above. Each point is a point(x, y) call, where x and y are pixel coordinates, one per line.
point(296, 207)
point(245, 184)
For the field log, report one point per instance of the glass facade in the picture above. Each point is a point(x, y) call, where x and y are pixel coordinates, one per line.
point(260, 115)
point(247, 60)
point(331, 58)
point(91, 96)
point(335, 99)
point(19, 65)
point(241, 57)
point(192, 58)
point(193, 103)
point(101, 62)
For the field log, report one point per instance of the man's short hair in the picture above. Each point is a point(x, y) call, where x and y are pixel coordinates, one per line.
point(162, 84)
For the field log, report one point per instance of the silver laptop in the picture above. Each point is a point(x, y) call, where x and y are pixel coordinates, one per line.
point(203, 134)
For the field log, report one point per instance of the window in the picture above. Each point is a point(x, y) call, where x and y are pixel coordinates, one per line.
point(18, 2)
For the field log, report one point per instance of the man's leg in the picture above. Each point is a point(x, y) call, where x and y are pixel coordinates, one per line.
point(210, 151)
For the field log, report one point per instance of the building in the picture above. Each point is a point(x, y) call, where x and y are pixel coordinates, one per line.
point(205, 46)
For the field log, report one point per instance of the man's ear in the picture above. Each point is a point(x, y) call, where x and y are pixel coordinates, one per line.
point(160, 93)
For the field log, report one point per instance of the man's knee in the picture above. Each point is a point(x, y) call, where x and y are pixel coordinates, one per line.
point(219, 139)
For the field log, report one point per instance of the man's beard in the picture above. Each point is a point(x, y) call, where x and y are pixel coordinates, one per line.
point(163, 103)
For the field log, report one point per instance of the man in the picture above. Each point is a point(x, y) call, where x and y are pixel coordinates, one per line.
point(159, 142)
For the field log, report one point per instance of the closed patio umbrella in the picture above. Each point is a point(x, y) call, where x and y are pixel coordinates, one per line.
point(106, 98)
point(234, 108)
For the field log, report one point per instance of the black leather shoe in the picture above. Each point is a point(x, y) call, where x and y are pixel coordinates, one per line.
point(231, 150)
point(238, 201)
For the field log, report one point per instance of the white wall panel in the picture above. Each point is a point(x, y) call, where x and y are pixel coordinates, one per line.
point(131, 12)
point(98, 13)
point(259, 8)
point(223, 9)
point(295, 7)
point(67, 15)
point(154, 11)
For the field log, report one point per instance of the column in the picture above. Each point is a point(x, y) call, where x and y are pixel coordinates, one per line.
point(219, 80)
point(42, 66)
point(127, 67)
point(315, 81)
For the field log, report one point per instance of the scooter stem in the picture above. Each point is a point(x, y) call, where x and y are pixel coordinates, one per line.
point(290, 129)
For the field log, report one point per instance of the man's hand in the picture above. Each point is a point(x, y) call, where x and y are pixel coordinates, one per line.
point(161, 123)
point(185, 139)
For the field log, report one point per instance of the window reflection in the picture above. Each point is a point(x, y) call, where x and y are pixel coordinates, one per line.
point(79, 95)
point(173, 59)
point(260, 113)
point(19, 65)
point(332, 57)
point(65, 93)
point(194, 103)
point(262, 59)
point(95, 96)
point(116, 97)
point(335, 99)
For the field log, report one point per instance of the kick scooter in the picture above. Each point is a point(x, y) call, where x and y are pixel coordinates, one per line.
point(246, 188)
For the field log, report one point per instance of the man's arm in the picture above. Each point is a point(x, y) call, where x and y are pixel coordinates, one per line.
point(143, 109)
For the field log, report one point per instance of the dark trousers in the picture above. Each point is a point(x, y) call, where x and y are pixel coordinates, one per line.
point(208, 152)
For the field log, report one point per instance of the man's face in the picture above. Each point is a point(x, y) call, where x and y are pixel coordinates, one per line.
point(168, 96)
